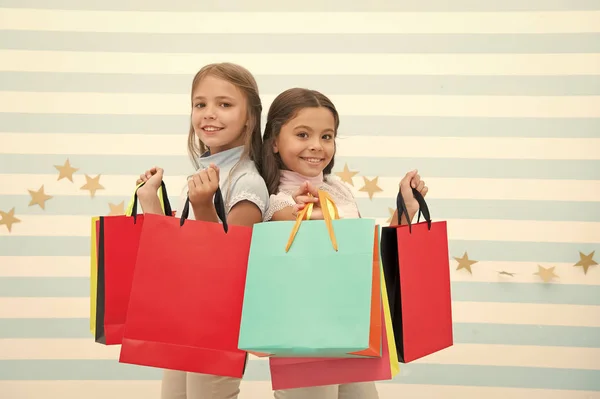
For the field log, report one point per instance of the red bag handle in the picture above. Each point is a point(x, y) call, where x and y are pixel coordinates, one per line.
point(423, 209)
point(219, 207)
point(166, 203)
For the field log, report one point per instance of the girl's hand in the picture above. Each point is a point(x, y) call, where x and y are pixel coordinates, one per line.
point(153, 178)
point(306, 194)
point(412, 180)
point(203, 185)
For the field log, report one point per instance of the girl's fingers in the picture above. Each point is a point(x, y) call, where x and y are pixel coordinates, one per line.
point(306, 199)
point(416, 181)
point(196, 180)
point(312, 189)
point(212, 175)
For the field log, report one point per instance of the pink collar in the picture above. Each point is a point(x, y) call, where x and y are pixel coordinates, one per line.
point(290, 181)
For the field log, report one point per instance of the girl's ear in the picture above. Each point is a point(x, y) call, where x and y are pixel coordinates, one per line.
point(275, 148)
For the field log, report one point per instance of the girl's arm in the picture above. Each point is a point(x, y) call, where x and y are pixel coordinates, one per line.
point(205, 212)
point(150, 202)
point(249, 199)
point(244, 213)
point(287, 213)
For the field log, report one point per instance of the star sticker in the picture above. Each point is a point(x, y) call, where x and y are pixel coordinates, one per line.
point(546, 274)
point(465, 263)
point(371, 186)
point(346, 175)
point(586, 261)
point(8, 219)
point(39, 197)
point(391, 211)
point(118, 209)
point(66, 171)
point(92, 184)
point(503, 273)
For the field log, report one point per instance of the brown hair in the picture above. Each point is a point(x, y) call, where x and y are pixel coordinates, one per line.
point(241, 78)
point(284, 108)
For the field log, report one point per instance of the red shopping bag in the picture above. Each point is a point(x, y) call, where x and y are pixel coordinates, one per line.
point(290, 373)
point(117, 239)
point(417, 273)
point(186, 299)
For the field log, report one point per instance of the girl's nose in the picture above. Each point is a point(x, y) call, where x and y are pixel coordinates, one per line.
point(209, 112)
point(315, 145)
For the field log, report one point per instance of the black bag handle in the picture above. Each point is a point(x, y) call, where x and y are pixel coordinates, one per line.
point(219, 207)
point(423, 209)
point(166, 203)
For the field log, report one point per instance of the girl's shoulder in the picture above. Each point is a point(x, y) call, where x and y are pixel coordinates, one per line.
point(338, 190)
point(245, 183)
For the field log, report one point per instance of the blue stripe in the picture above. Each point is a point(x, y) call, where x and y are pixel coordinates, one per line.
point(310, 5)
point(464, 333)
point(441, 209)
point(258, 370)
point(302, 43)
point(539, 293)
point(509, 251)
point(330, 84)
point(367, 166)
point(351, 125)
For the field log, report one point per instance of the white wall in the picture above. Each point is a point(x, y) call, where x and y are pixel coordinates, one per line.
point(496, 103)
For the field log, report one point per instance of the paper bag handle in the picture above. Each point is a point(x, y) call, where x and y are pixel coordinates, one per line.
point(162, 197)
point(423, 209)
point(328, 209)
point(219, 207)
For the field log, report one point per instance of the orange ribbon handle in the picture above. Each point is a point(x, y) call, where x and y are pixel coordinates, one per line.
point(330, 212)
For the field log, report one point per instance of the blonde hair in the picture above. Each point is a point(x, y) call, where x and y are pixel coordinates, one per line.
point(241, 78)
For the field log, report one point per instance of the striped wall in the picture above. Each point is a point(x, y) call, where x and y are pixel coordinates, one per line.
point(496, 103)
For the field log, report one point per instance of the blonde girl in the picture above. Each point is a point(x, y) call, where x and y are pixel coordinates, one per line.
point(225, 117)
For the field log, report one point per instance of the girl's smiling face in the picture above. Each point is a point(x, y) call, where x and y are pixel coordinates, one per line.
point(306, 143)
point(219, 114)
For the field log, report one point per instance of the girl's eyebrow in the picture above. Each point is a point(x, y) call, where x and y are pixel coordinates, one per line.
point(217, 98)
point(311, 129)
point(303, 127)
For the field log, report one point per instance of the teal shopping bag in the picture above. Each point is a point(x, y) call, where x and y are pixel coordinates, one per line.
point(313, 300)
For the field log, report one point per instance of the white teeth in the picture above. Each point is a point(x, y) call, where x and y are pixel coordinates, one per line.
point(212, 129)
point(313, 160)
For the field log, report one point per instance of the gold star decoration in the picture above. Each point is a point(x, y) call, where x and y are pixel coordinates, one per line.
point(116, 210)
point(66, 170)
point(39, 197)
point(586, 261)
point(504, 273)
point(371, 186)
point(92, 184)
point(391, 211)
point(8, 219)
point(546, 274)
point(465, 263)
point(346, 175)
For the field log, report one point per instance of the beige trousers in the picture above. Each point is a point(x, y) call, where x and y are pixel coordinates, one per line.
point(359, 390)
point(184, 385)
